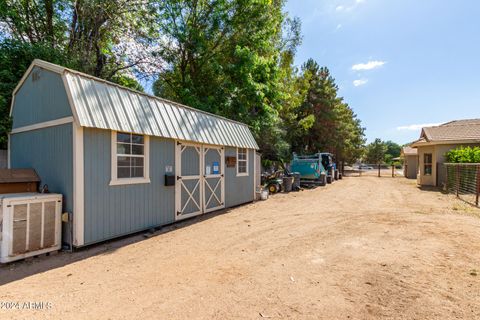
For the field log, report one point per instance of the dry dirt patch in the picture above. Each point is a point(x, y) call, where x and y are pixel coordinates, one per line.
point(362, 248)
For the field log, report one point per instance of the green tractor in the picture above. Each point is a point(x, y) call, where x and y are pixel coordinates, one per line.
point(273, 182)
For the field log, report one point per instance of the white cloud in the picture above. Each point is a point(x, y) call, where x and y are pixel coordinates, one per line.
point(349, 7)
point(359, 82)
point(416, 127)
point(339, 26)
point(368, 66)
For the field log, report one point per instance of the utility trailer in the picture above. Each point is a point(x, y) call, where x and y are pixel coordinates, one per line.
point(311, 169)
point(316, 169)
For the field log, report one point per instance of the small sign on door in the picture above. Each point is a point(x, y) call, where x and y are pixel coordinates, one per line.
point(207, 170)
point(216, 168)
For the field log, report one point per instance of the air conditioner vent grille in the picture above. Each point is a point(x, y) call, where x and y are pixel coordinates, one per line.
point(49, 226)
point(30, 225)
point(19, 242)
point(35, 227)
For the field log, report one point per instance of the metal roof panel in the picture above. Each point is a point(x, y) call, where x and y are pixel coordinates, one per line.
point(101, 104)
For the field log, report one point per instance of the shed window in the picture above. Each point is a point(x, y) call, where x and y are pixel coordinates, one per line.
point(129, 158)
point(427, 163)
point(242, 161)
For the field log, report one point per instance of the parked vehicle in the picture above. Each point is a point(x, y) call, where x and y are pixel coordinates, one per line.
point(310, 168)
point(330, 167)
point(365, 167)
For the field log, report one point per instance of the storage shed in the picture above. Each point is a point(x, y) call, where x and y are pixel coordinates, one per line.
point(125, 161)
point(410, 162)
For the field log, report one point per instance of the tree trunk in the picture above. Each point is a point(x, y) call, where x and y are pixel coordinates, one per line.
point(379, 170)
point(100, 63)
point(49, 13)
point(73, 27)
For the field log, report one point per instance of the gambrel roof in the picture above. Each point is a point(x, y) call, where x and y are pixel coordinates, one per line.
point(97, 103)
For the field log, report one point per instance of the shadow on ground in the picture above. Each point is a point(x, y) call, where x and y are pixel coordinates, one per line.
point(432, 189)
point(24, 268)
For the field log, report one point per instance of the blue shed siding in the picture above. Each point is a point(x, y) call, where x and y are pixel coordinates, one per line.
point(49, 152)
point(238, 190)
point(112, 211)
point(41, 100)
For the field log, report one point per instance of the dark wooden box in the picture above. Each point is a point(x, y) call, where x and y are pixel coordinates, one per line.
point(18, 180)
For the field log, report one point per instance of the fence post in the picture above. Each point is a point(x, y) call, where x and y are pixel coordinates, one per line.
point(393, 171)
point(457, 178)
point(379, 170)
point(446, 178)
point(478, 184)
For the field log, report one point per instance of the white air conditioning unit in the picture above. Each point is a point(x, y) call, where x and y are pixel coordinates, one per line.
point(30, 224)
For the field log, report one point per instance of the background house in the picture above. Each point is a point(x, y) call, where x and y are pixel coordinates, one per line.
point(410, 162)
point(434, 142)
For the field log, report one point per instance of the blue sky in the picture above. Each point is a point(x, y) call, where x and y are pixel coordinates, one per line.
point(399, 64)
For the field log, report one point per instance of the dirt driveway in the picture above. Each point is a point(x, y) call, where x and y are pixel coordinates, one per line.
point(362, 248)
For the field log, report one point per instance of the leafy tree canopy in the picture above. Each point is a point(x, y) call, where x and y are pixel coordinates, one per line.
point(375, 152)
point(234, 58)
point(393, 151)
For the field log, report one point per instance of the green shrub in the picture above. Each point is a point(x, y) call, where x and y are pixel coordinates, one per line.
point(463, 155)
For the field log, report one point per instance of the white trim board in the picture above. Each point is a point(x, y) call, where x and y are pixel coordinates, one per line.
point(8, 152)
point(243, 174)
point(444, 142)
point(42, 125)
point(78, 187)
point(114, 180)
point(202, 178)
point(68, 91)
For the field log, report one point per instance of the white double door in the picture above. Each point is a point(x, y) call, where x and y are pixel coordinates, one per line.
point(200, 185)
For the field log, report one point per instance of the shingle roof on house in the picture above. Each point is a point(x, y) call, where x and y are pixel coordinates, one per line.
point(409, 151)
point(454, 130)
point(467, 131)
point(461, 122)
point(97, 103)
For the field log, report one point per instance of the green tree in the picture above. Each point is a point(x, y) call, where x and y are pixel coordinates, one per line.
point(93, 33)
point(224, 57)
point(349, 140)
point(375, 153)
point(84, 35)
point(322, 121)
point(320, 103)
point(393, 151)
point(35, 21)
point(230, 57)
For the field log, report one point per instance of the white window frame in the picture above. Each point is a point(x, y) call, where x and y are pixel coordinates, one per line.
point(115, 181)
point(425, 164)
point(242, 174)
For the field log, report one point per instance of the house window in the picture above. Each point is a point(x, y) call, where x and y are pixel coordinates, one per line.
point(427, 164)
point(242, 162)
point(129, 158)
